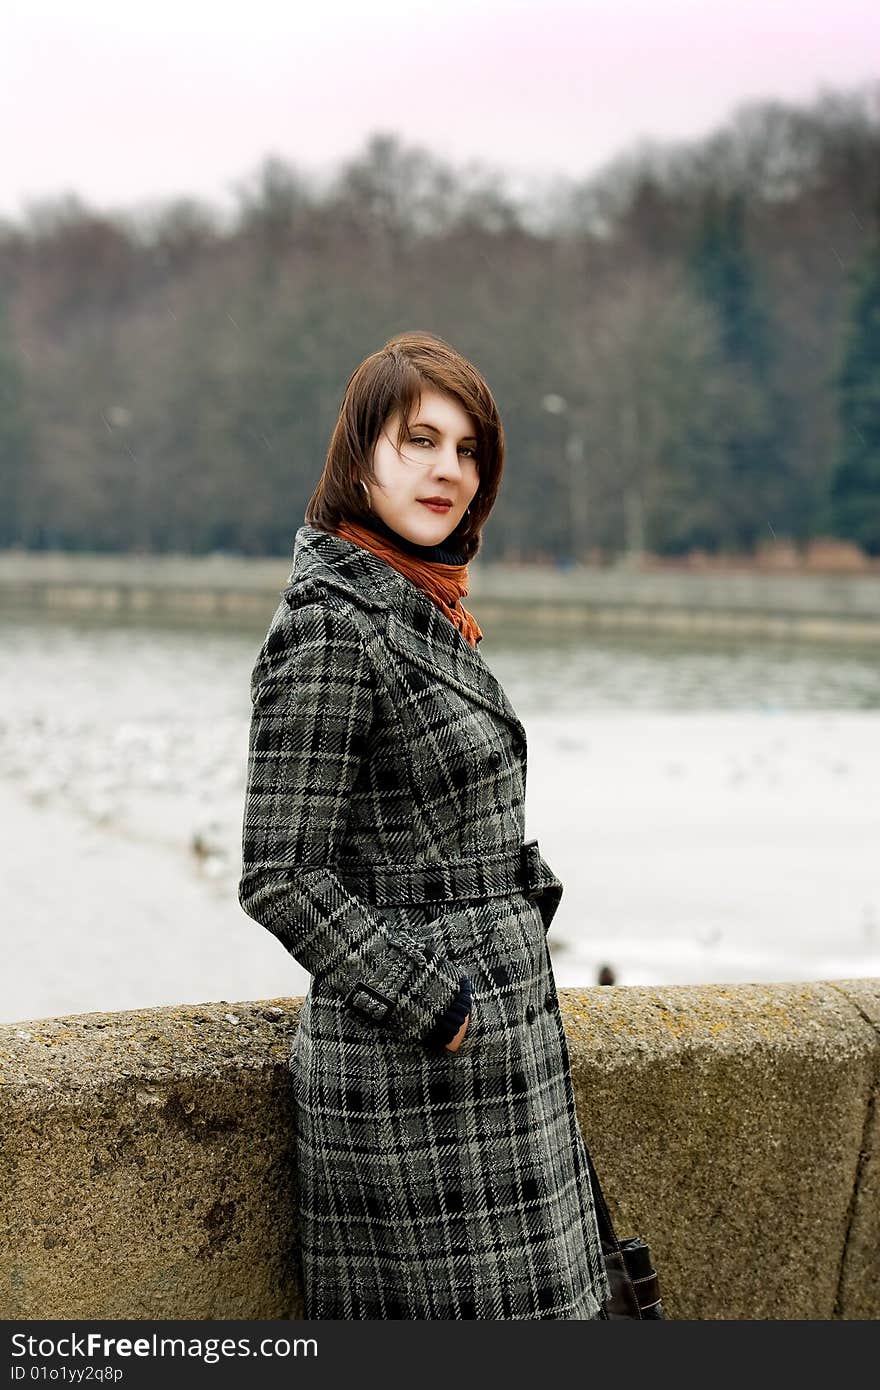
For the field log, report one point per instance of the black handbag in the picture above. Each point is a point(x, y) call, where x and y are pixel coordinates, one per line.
point(635, 1289)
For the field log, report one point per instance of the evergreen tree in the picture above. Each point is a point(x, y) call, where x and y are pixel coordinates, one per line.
point(753, 480)
point(854, 488)
point(725, 274)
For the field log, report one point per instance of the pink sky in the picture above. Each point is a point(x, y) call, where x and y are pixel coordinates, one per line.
point(123, 107)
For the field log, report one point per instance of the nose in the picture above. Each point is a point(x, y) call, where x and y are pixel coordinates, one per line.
point(447, 464)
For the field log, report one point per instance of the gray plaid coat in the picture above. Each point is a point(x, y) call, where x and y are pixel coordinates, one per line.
point(383, 846)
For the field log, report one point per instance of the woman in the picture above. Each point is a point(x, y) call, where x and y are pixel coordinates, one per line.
point(440, 1167)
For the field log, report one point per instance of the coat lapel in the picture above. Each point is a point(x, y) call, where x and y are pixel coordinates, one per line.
point(418, 631)
point(415, 628)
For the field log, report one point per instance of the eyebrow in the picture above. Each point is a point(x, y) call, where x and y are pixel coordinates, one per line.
point(423, 425)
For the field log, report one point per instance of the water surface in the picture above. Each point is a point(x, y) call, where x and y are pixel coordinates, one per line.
point(712, 808)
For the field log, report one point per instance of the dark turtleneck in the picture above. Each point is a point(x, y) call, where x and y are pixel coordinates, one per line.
point(439, 554)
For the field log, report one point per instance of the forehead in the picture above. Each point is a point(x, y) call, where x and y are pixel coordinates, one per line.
point(442, 411)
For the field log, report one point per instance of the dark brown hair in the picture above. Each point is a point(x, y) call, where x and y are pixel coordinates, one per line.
point(392, 379)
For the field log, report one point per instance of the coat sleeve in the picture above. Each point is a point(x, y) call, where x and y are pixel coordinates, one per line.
point(312, 709)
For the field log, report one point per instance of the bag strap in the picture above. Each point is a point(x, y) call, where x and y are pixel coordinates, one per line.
point(623, 1301)
point(603, 1216)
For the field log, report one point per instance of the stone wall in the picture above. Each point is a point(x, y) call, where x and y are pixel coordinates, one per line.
point(147, 1156)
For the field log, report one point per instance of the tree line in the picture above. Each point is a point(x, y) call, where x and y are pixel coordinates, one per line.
point(685, 347)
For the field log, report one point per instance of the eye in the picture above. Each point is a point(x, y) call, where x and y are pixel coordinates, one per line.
point(422, 439)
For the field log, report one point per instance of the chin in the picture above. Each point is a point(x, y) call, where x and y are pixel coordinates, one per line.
point(427, 529)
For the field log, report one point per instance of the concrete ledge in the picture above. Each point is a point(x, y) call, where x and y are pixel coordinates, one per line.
point(148, 1155)
point(811, 607)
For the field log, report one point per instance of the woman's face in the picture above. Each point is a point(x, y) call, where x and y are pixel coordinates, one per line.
point(437, 460)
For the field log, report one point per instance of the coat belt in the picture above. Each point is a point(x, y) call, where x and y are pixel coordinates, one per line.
point(492, 875)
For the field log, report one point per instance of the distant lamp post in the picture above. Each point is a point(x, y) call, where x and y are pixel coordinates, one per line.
point(118, 419)
point(578, 506)
point(633, 501)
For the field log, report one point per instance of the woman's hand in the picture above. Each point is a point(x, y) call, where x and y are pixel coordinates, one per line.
point(457, 1040)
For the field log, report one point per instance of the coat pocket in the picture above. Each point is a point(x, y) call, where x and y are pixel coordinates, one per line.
point(466, 932)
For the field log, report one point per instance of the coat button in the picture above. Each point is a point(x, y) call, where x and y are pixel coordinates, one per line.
point(518, 745)
point(531, 1013)
point(495, 759)
point(550, 1001)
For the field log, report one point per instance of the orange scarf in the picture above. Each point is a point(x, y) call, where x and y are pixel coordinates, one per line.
point(447, 585)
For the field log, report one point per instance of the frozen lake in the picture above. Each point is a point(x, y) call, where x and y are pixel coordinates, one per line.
point(713, 810)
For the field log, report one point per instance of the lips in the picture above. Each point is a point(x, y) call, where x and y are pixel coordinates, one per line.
point(435, 504)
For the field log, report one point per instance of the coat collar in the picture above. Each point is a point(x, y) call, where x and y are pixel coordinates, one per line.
point(414, 625)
